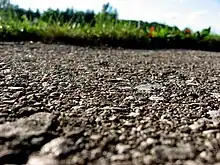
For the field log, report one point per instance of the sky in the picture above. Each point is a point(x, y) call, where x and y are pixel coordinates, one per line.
point(195, 14)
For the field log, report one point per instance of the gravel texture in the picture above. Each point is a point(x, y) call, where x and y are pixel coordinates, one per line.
point(69, 105)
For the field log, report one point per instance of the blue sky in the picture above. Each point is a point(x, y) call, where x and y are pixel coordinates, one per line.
point(196, 14)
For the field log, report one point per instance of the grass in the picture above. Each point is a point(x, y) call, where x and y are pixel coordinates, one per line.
point(105, 32)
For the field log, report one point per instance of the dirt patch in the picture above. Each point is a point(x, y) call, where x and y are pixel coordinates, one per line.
point(72, 105)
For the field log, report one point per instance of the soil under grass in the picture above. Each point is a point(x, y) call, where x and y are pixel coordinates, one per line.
point(77, 105)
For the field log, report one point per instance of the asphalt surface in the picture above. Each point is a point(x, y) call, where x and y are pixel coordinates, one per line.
point(69, 105)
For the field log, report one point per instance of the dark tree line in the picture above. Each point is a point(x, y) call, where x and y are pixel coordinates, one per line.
point(70, 15)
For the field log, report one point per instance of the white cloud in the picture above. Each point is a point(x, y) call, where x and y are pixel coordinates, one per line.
point(172, 15)
point(181, 1)
point(196, 15)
